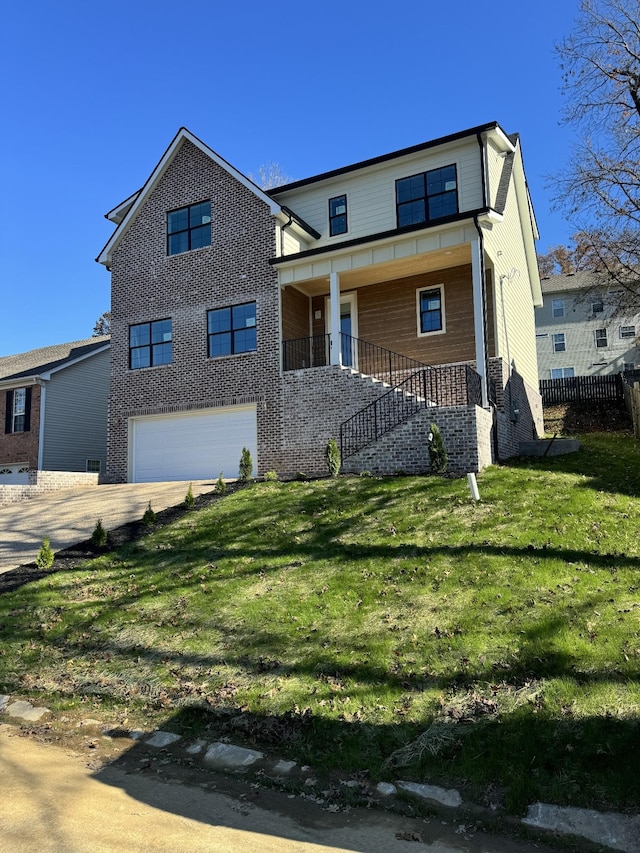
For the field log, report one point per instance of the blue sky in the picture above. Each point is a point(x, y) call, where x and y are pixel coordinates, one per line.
point(93, 92)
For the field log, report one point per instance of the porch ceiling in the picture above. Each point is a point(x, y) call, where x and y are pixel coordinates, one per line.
point(374, 273)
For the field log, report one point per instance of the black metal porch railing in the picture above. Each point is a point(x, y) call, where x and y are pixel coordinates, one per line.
point(370, 359)
point(450, 385)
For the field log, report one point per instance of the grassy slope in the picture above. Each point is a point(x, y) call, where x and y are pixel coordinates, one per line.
point(495, 645)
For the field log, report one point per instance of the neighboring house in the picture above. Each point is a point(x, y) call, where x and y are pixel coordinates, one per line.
point(581, 331)
point(53, 407)
point(277, 319)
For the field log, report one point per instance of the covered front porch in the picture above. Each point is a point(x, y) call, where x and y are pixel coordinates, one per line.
point(391, 310)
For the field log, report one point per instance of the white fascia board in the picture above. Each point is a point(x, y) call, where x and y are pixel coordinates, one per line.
point(49, 373)
point(20, 381)
point(183, 134)
point(120, 211)
point(500, 139)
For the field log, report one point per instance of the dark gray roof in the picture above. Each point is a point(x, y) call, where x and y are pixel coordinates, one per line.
point(38, 361)
point(576, 281)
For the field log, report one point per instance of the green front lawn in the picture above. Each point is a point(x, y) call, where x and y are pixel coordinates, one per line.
point(387, 625)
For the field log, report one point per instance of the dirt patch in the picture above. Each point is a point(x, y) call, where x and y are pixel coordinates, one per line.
point(574, 418)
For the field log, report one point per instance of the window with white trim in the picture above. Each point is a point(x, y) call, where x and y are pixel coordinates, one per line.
point(431, 310)
point(601, 338)
point(627, 331)
point(337, 215)
point(559, 342)
point(562, 373)
point(557, 307)
point(17, 410)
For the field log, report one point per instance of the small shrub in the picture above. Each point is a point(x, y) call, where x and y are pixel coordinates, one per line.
point(437, 452)
point(301, 476)
point(99, 535)
point(220, 485)
point(271, 477)
point(246, 465)
point(332, 455)
point(45, 557)
point(366, 474)
point(189, 500)
point(149, 516)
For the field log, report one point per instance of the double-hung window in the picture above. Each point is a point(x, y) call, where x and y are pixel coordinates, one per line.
point(337, 215)
point(431, 311)
point(232, 330)
point(557, 307)
point(627, 331)
point(559, 342)
point(150, 344)
point(189, 228)
point(427, 196)
point(601, 338)
point(18, 410)
point(597, 307)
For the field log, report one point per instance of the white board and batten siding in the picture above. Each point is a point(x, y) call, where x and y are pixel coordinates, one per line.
point(196, 445)
point(371, 191)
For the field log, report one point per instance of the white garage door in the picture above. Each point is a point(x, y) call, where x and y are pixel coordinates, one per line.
point(14, 475)
point(194, 446)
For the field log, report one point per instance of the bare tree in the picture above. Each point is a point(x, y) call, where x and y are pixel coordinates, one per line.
point(270, 175)
point(600, 188)
point(102, 325)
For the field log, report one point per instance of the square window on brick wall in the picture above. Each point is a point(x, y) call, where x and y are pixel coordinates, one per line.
point(232, 330)
point(150, 344)
point(189, 228)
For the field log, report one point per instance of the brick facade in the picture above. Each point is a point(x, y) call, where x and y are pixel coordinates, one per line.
point(149, 285)
point(41, 482)
point(21, 446)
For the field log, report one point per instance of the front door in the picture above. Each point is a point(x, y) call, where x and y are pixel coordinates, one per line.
point(348, 328)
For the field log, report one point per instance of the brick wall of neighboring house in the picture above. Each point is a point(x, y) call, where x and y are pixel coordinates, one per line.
point(21, 446)
point(149, 285)
point(466, 432)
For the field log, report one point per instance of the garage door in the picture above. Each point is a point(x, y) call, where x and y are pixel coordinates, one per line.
point(194, 446)
point(14, 475)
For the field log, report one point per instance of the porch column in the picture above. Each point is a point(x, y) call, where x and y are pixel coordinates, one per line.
point(478, 317)
point(334, 318)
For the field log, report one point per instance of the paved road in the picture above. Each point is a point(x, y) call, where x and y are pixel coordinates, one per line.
point(53, 803)
point(69, 516)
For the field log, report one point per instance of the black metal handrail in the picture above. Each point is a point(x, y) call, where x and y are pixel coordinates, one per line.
point(367, 358)
point(450, 385)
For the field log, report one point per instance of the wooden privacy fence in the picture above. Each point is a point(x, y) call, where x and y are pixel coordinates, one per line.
point(579, 388)
point(632, 401)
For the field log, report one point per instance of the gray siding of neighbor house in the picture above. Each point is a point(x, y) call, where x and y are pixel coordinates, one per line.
point(75, 427)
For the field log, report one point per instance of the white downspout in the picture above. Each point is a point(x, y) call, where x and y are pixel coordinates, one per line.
point(43, 395)
point(334, 318)
point(478, 318)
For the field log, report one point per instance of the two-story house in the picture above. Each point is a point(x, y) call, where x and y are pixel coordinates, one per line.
point(364, 303)
point(53, 405)
point(581, 329)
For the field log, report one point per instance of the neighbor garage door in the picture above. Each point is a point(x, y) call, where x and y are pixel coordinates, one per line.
point(194, 446)
point(14, 475)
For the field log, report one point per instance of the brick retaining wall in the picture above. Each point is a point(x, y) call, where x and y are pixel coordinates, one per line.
point(41, 482)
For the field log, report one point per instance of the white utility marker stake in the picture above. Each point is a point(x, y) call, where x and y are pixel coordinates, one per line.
point(473, 487)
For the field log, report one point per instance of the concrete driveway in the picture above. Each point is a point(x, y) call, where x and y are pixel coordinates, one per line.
point(69, 516)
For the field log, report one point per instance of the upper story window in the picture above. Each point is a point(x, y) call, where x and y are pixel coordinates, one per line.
point(601, 338)
point(150, 344)
point(559, 342)
point(232, 330)
point(18, 409)
point(427, 196)
point(627, 331)
point(431, 311)
point(597, 307)
point(337, 215)
point(189, 228)
point(557, 307)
